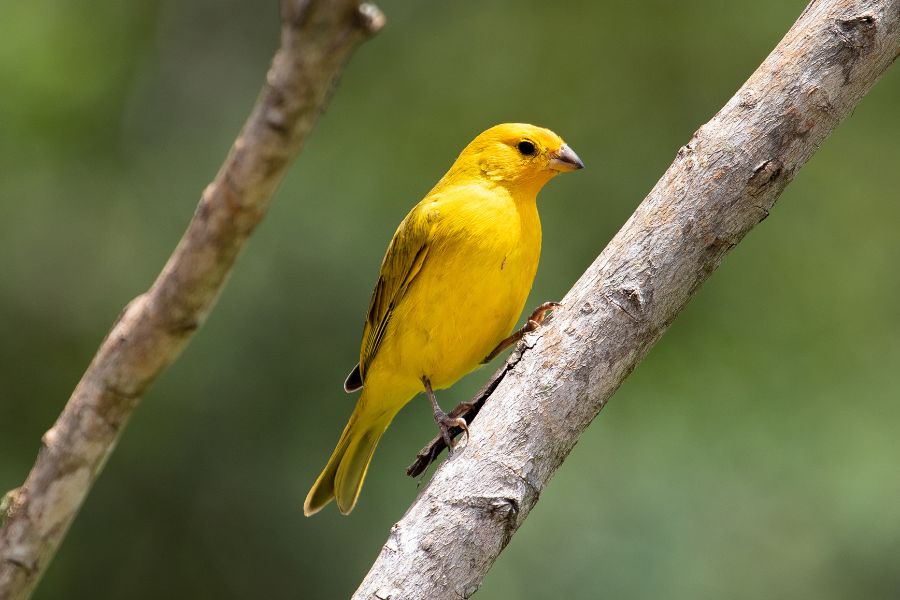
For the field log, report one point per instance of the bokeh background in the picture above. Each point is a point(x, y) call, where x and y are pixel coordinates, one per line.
point(754, 454)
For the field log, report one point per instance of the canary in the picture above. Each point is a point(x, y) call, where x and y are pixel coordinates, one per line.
point(451, 288)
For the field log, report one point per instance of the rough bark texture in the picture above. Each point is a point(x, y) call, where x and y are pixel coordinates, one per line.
point(722, 183)
point(317, 38)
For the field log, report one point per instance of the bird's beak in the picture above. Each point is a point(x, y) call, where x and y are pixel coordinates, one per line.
point(565, 159)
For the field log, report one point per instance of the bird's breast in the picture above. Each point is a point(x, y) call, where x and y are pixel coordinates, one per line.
point(468, 295)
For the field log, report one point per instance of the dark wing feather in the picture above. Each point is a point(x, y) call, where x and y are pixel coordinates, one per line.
point(402, 262)
point(354, 380)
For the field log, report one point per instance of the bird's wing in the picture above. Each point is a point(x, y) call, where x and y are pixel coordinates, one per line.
point(402, 262)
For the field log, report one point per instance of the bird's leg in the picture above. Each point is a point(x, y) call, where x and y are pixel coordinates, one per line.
point(443, 420)
point(534, 321)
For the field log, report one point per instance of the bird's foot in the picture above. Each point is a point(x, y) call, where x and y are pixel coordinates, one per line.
point(446, 423)
point(537, 316)
point(534, 321)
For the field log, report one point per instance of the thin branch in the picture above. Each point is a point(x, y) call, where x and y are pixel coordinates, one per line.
point(723, 182)
point(317, 38)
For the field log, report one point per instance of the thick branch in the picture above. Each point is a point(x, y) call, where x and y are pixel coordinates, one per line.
point(317, 38)
point(723, 182)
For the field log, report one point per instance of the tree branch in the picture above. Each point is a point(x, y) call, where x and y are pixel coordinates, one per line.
point(723, 182)
point(317, 38)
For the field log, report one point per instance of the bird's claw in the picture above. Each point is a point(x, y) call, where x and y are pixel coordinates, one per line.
point(446, 423)
point(538, 315)
point(534, 321)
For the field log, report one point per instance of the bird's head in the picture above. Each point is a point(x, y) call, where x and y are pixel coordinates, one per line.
point(518, 155)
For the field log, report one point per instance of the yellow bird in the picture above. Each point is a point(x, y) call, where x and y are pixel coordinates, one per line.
point(452, 285)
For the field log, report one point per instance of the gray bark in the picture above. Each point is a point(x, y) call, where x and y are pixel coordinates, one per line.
point(722, 183)
point(317, 38)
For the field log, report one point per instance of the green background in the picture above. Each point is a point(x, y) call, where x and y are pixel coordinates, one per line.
point(754, 454)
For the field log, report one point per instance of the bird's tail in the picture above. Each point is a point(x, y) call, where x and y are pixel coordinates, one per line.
point(343, 476)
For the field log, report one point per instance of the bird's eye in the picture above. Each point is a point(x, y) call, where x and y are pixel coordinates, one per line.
point(526, 148)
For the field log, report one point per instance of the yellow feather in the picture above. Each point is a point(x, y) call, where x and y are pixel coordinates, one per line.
point(452, 286)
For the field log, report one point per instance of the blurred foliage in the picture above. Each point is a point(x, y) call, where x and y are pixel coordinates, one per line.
point(753, 454)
